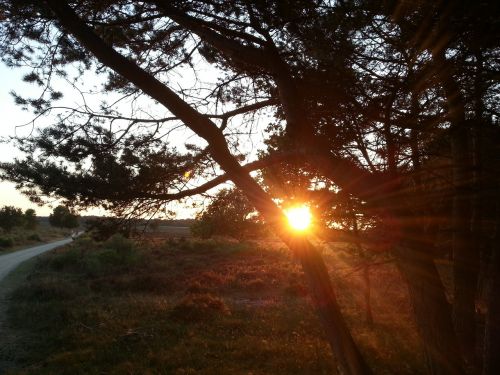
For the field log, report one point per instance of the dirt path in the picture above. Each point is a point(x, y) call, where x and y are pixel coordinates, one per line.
point(9, 262)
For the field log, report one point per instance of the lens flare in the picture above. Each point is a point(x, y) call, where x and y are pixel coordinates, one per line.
point(299, 217)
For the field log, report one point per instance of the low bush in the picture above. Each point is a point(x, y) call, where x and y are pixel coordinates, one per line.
point(6, 242)
point(199, 307)
point(91, 259)
point(34, 237)
point(68, 259)
point(46, 289)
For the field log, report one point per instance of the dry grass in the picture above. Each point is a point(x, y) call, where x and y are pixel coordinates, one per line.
point(198, 307)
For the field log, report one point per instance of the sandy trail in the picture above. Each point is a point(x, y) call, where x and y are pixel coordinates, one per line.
point(10, 261)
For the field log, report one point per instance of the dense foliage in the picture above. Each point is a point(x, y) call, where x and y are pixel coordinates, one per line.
point(10, 217)
point(62, 217)
point(228, 214)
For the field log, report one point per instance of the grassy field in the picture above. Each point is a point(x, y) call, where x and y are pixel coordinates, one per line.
point(20, 238)
point(197, 307)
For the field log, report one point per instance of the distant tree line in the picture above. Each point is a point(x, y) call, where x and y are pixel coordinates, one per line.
point(13, 217)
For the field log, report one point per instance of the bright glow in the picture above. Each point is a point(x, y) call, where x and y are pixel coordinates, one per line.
point(299, 217)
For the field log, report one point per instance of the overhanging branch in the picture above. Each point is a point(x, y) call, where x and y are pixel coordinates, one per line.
point(253, 166)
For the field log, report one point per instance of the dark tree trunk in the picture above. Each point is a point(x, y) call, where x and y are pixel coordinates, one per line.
point(491, 348)
point(465, 254)
point(368, 289)
point(490, 258)
point(431, 309)
point(351, 361)
point(465, 251)
point(366, 265)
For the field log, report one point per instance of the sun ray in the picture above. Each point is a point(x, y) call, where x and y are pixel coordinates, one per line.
point(299, 217)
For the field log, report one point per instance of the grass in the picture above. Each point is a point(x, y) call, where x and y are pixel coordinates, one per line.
point(194, 307)
point(20, 238)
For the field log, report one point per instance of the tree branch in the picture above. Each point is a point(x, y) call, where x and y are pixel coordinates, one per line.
point(253, 166)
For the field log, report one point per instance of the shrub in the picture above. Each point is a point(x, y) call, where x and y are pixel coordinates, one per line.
point(69, 258)
point(6, 242)
point(296, 289)
point(199, 307)
point(256, 285)
point(119, 251)
point(34, 237)
point(46, 289)
point(152, 283)
point(120, 244)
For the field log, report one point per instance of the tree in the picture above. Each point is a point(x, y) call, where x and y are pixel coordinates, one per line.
point(29, 218)
point(62, 217)
point(103, 228)
point(365, 96)
point(228, 214)
point(10, 217)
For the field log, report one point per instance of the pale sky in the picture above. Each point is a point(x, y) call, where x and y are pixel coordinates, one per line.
point(10, 120)
point(12, 116)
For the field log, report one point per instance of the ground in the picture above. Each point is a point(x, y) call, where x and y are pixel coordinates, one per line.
point(204, 307)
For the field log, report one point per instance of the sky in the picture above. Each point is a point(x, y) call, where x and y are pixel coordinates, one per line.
point(12, 117)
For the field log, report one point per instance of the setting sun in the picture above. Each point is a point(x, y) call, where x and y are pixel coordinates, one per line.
point(299, 217)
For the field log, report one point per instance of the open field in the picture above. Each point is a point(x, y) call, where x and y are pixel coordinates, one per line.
point(198, 307)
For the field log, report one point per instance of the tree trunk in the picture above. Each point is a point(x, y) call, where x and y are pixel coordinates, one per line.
point(465, 252)
point(368, 289)
point(366, 265)
point(490, 267)
point(431, 309)
point(465, 256)
point(324, 299)
point(491, 348)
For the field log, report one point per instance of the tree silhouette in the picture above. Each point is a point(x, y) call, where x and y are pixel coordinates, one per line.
point(393, 103)
point(29, 218)
point(62, 217)
point(229, 214)
point(10, 217)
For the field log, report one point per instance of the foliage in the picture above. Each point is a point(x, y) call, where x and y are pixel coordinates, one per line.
point(116, 253)
point(6, 242)
point(10, 217)
point(34, 237)
point(196, 307)
point(62, 217)
point(228, 214)
point(30, 220)
point(102, 228)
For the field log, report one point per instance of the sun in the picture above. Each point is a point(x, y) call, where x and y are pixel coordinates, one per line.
point(299, 217)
